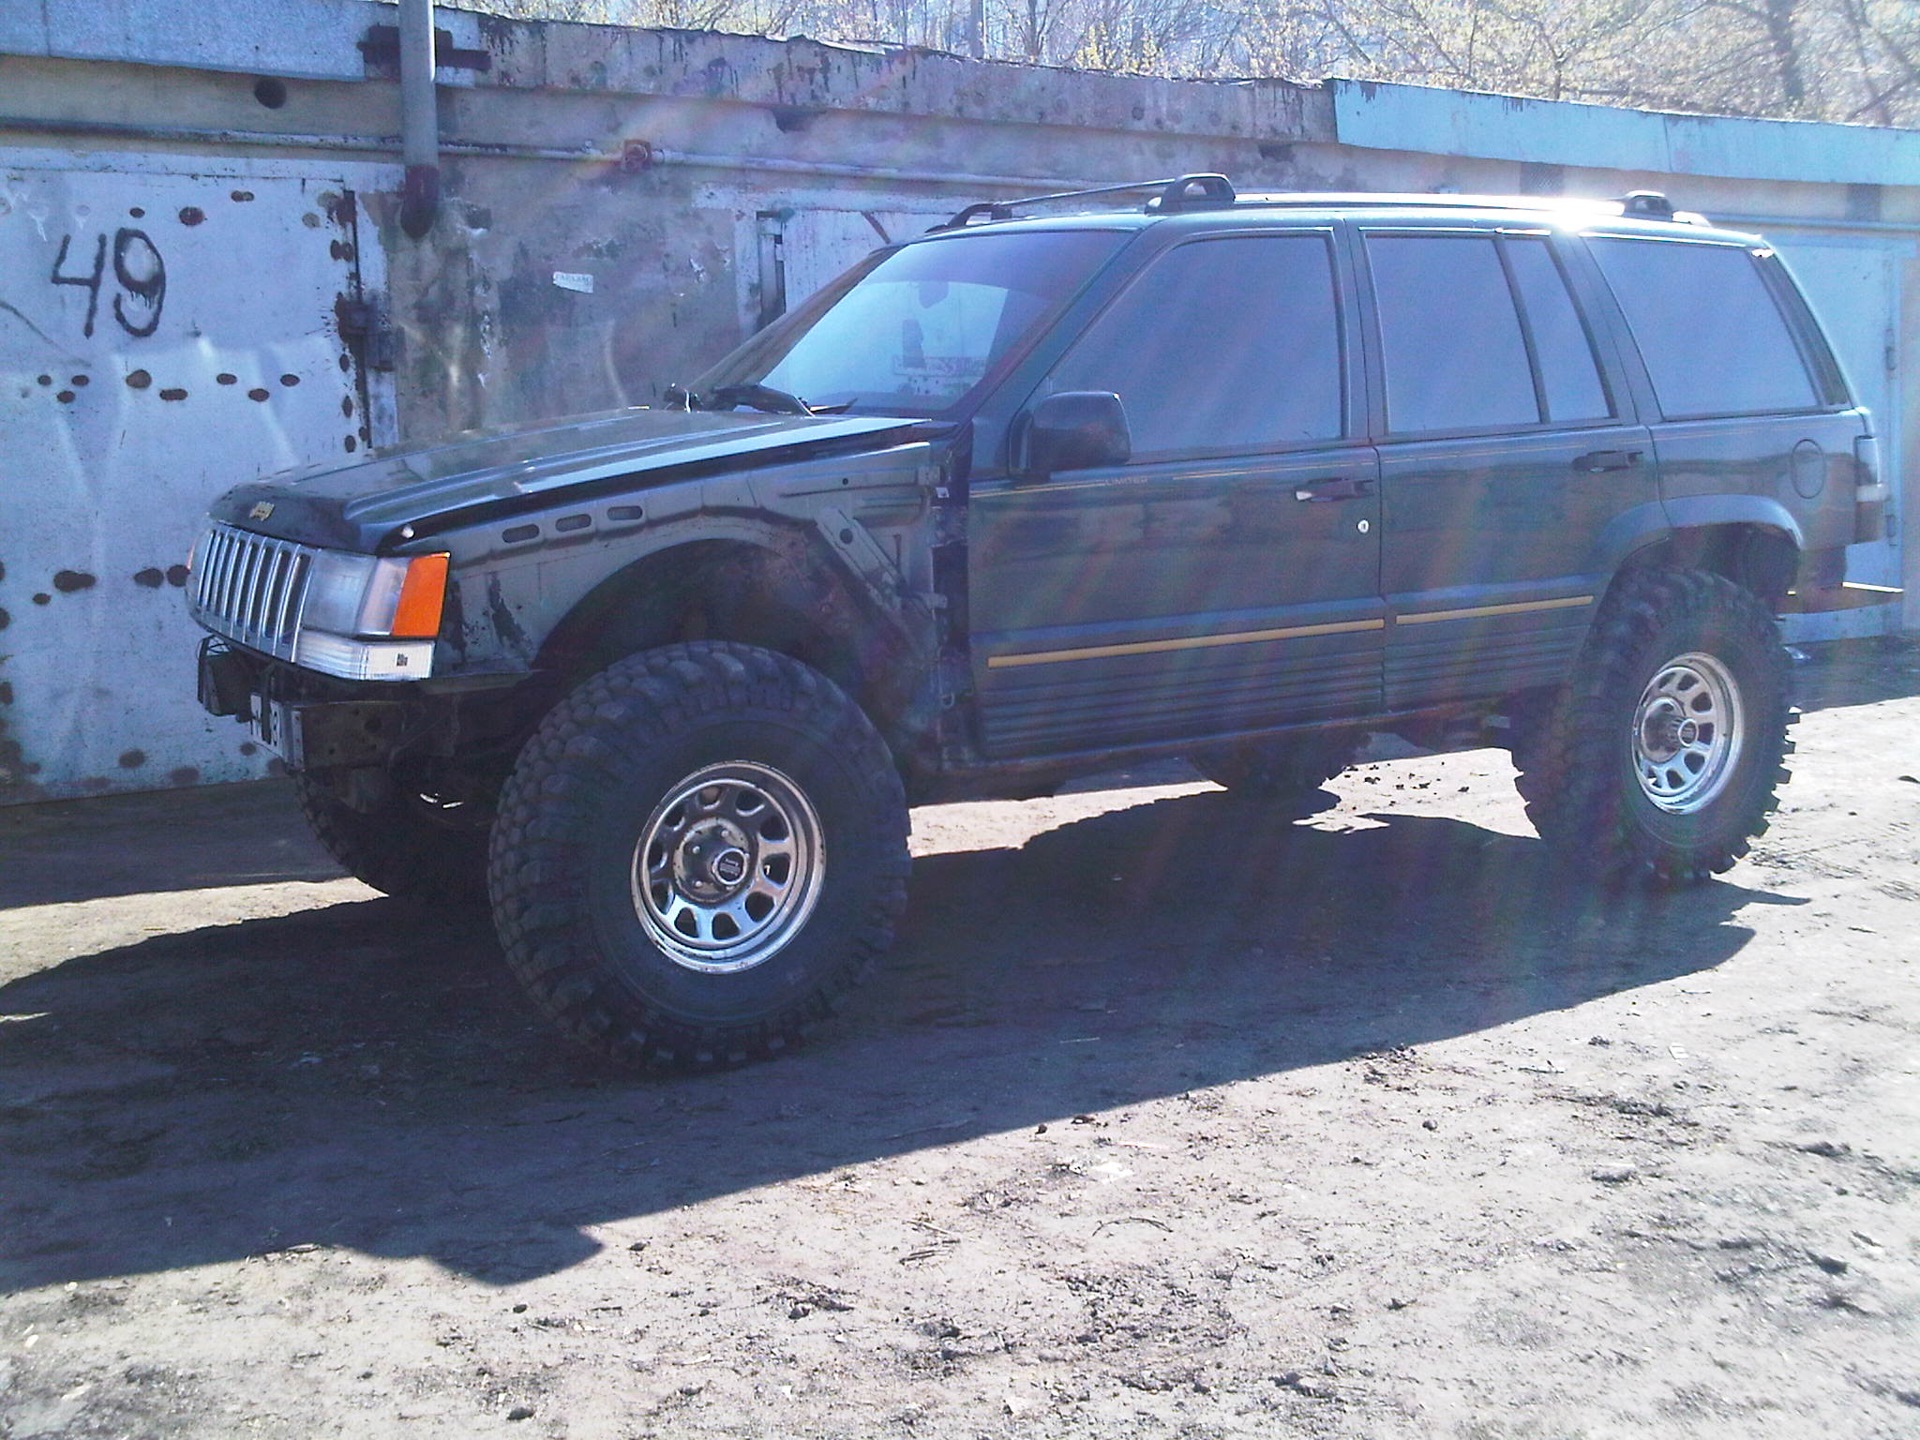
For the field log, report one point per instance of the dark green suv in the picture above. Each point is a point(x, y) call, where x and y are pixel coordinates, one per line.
point(1236, 478)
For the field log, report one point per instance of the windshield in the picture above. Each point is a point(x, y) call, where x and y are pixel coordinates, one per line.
point(915, 333)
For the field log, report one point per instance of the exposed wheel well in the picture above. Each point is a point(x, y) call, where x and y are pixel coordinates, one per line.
point(789, 598)
point(1754, 557)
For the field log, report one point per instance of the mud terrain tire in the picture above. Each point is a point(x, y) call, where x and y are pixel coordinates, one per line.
point(400, 848)
point(1662, 755)
point(698, 852)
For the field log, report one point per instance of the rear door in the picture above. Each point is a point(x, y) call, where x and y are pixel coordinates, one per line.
point(1751, 403)
point(1226, 578)
point(1507, 448)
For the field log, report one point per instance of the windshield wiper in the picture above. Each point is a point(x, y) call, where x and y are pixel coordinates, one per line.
point(759, 397)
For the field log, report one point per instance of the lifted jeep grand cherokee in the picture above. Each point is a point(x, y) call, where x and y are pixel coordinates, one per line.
point(1236, 478)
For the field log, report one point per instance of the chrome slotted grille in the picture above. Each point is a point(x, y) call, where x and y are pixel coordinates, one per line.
point(250, 589)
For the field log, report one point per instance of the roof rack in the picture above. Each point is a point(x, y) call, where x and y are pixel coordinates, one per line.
point(1646, 205)
point(1639, 205)
point(1209, 192)
point(1184, 192)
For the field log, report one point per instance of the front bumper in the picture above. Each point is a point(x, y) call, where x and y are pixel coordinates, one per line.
point(307, 731)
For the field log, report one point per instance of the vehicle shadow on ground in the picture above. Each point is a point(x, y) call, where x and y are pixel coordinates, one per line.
point(364, 1075)
point(156, 843)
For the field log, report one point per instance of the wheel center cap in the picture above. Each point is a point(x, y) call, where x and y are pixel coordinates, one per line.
point(1665, 732)
point(713, 861)
point(728, 866)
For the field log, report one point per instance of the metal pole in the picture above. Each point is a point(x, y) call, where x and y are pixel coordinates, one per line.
point(419, 119)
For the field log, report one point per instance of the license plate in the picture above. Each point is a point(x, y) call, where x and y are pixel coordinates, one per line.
point(269, 724)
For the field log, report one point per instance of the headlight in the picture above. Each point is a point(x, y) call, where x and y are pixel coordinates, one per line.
point(372, 618)
point(364, 595)
point(360, 617)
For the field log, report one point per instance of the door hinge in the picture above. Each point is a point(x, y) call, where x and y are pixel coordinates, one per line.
point(365, 327)
point(380, 50)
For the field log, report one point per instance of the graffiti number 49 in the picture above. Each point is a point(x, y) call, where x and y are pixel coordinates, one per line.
point(137, 268)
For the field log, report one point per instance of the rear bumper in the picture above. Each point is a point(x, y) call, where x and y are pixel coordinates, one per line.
point(1822, 586)
point(1847, 595)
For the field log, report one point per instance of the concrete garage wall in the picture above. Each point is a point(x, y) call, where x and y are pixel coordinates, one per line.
point(620, 207)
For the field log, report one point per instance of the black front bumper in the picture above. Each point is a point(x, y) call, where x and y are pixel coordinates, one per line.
point(308, 732)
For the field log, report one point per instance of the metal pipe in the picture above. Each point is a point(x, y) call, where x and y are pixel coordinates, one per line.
point(1808, 222)
point(840, 170)
point(292, 140)
point(507, 150)
point(419, 120)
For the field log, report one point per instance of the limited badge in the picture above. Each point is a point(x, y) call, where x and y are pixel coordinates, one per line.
point(261, 510)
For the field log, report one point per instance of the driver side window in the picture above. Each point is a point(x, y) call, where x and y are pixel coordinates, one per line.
point(1225, 346)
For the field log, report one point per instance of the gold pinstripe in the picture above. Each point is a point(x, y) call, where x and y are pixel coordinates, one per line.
point(1477, 612)
point(1187, 642)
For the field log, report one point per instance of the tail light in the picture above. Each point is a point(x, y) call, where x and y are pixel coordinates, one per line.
point(1871, 493)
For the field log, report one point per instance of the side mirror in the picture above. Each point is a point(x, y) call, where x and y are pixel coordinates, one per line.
point(1074, 430)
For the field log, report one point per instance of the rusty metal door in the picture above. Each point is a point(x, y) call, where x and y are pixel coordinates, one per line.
point(802, 250)
point(163, 336)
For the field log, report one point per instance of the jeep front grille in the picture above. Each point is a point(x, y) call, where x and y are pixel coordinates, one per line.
point(251, 589)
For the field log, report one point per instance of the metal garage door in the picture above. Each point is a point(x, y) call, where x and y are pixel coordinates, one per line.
point(163, 335)
point(1853, 282)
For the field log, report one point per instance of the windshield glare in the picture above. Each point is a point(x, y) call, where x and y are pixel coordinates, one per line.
point(917, 332)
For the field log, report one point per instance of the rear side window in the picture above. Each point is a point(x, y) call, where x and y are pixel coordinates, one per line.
point(1450, 336)
point(1221, 345)
point(1570, 385)
point(1713, 338)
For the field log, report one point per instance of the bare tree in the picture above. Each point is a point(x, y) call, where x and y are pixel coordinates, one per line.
point(1847, 60)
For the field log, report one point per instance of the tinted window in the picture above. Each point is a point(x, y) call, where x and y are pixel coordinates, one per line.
point(1712, 338)
point(1226, 344)
point(1569, 378)
point(1450, 336)
point(921, 326)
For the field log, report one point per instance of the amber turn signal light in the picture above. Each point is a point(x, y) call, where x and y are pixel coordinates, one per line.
point(422, 594)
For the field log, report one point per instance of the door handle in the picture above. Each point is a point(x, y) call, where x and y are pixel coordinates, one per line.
point(1349, 487)
point(1598, 462)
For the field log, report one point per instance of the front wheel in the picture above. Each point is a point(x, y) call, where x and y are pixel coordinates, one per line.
point(697, 853)
point(410, 844)
point(1663, 753)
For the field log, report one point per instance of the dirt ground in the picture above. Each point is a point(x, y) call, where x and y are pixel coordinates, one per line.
point(1169, 1116)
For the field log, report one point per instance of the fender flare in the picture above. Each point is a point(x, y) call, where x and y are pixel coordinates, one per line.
point(1653, 523)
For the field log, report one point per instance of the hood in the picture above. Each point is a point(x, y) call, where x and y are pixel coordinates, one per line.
point(478, 475)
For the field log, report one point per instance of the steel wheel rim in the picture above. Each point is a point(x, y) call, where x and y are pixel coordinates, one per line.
point(728, 867)
point(1688, 733)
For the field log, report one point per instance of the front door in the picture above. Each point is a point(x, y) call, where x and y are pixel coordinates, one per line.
point(1226, 578)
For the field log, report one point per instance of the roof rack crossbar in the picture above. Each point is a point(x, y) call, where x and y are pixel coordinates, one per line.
point(1175, 193)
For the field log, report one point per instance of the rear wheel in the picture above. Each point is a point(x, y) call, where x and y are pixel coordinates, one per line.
point(698, 852)
point(1663, 754)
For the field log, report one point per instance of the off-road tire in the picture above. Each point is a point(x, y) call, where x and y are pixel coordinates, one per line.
point(400, 847)
point(595, 780)
point(1279, 771)
point(1578, 771)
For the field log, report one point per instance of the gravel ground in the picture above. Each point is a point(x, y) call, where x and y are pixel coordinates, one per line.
point(1169, 1116)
